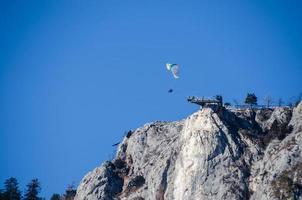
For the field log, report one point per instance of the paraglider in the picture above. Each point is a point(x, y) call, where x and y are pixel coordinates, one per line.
point(174, 68)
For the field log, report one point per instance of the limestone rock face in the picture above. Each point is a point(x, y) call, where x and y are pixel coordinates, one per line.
point(102, 183)
point(221, 154)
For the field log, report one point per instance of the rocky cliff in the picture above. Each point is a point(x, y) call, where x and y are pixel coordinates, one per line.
point(212, 154)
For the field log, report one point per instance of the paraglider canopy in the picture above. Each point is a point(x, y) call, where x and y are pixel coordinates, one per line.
point(174, 68)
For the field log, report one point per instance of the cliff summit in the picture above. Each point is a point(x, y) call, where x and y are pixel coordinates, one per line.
point(212, 154)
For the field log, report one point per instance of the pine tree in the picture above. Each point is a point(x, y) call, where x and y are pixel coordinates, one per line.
point(2, 194)
point(251, 99)
point(12, 191)
point(55, 197)
point(70, 192)
point(32, 191)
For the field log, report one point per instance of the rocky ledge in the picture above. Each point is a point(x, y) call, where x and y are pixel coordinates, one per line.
point(221, 154)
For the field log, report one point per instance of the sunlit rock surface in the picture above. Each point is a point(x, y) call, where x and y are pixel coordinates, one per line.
point(221, 154)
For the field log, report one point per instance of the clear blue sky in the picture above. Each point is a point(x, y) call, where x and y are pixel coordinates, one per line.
point(74, 75)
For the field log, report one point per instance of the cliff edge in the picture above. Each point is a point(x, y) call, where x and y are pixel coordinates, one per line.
point(224, 154)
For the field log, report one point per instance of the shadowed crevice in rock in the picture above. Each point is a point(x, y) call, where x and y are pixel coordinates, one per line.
point(134, 184)
point(164, 182)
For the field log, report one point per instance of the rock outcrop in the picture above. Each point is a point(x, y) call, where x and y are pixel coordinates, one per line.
point(221, 154)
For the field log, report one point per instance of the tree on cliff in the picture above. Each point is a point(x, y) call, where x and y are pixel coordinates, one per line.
point(55, 197)
point(280, 102)
point(251, 99)
point(32, 191)
point(268, 100)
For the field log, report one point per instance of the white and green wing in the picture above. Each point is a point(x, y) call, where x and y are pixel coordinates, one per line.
point(174, 68)
point(175, 71)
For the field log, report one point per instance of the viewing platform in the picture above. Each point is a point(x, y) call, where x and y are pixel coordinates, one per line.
point(207, 102)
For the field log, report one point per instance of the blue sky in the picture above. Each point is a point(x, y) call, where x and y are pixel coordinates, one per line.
point(74, 75)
